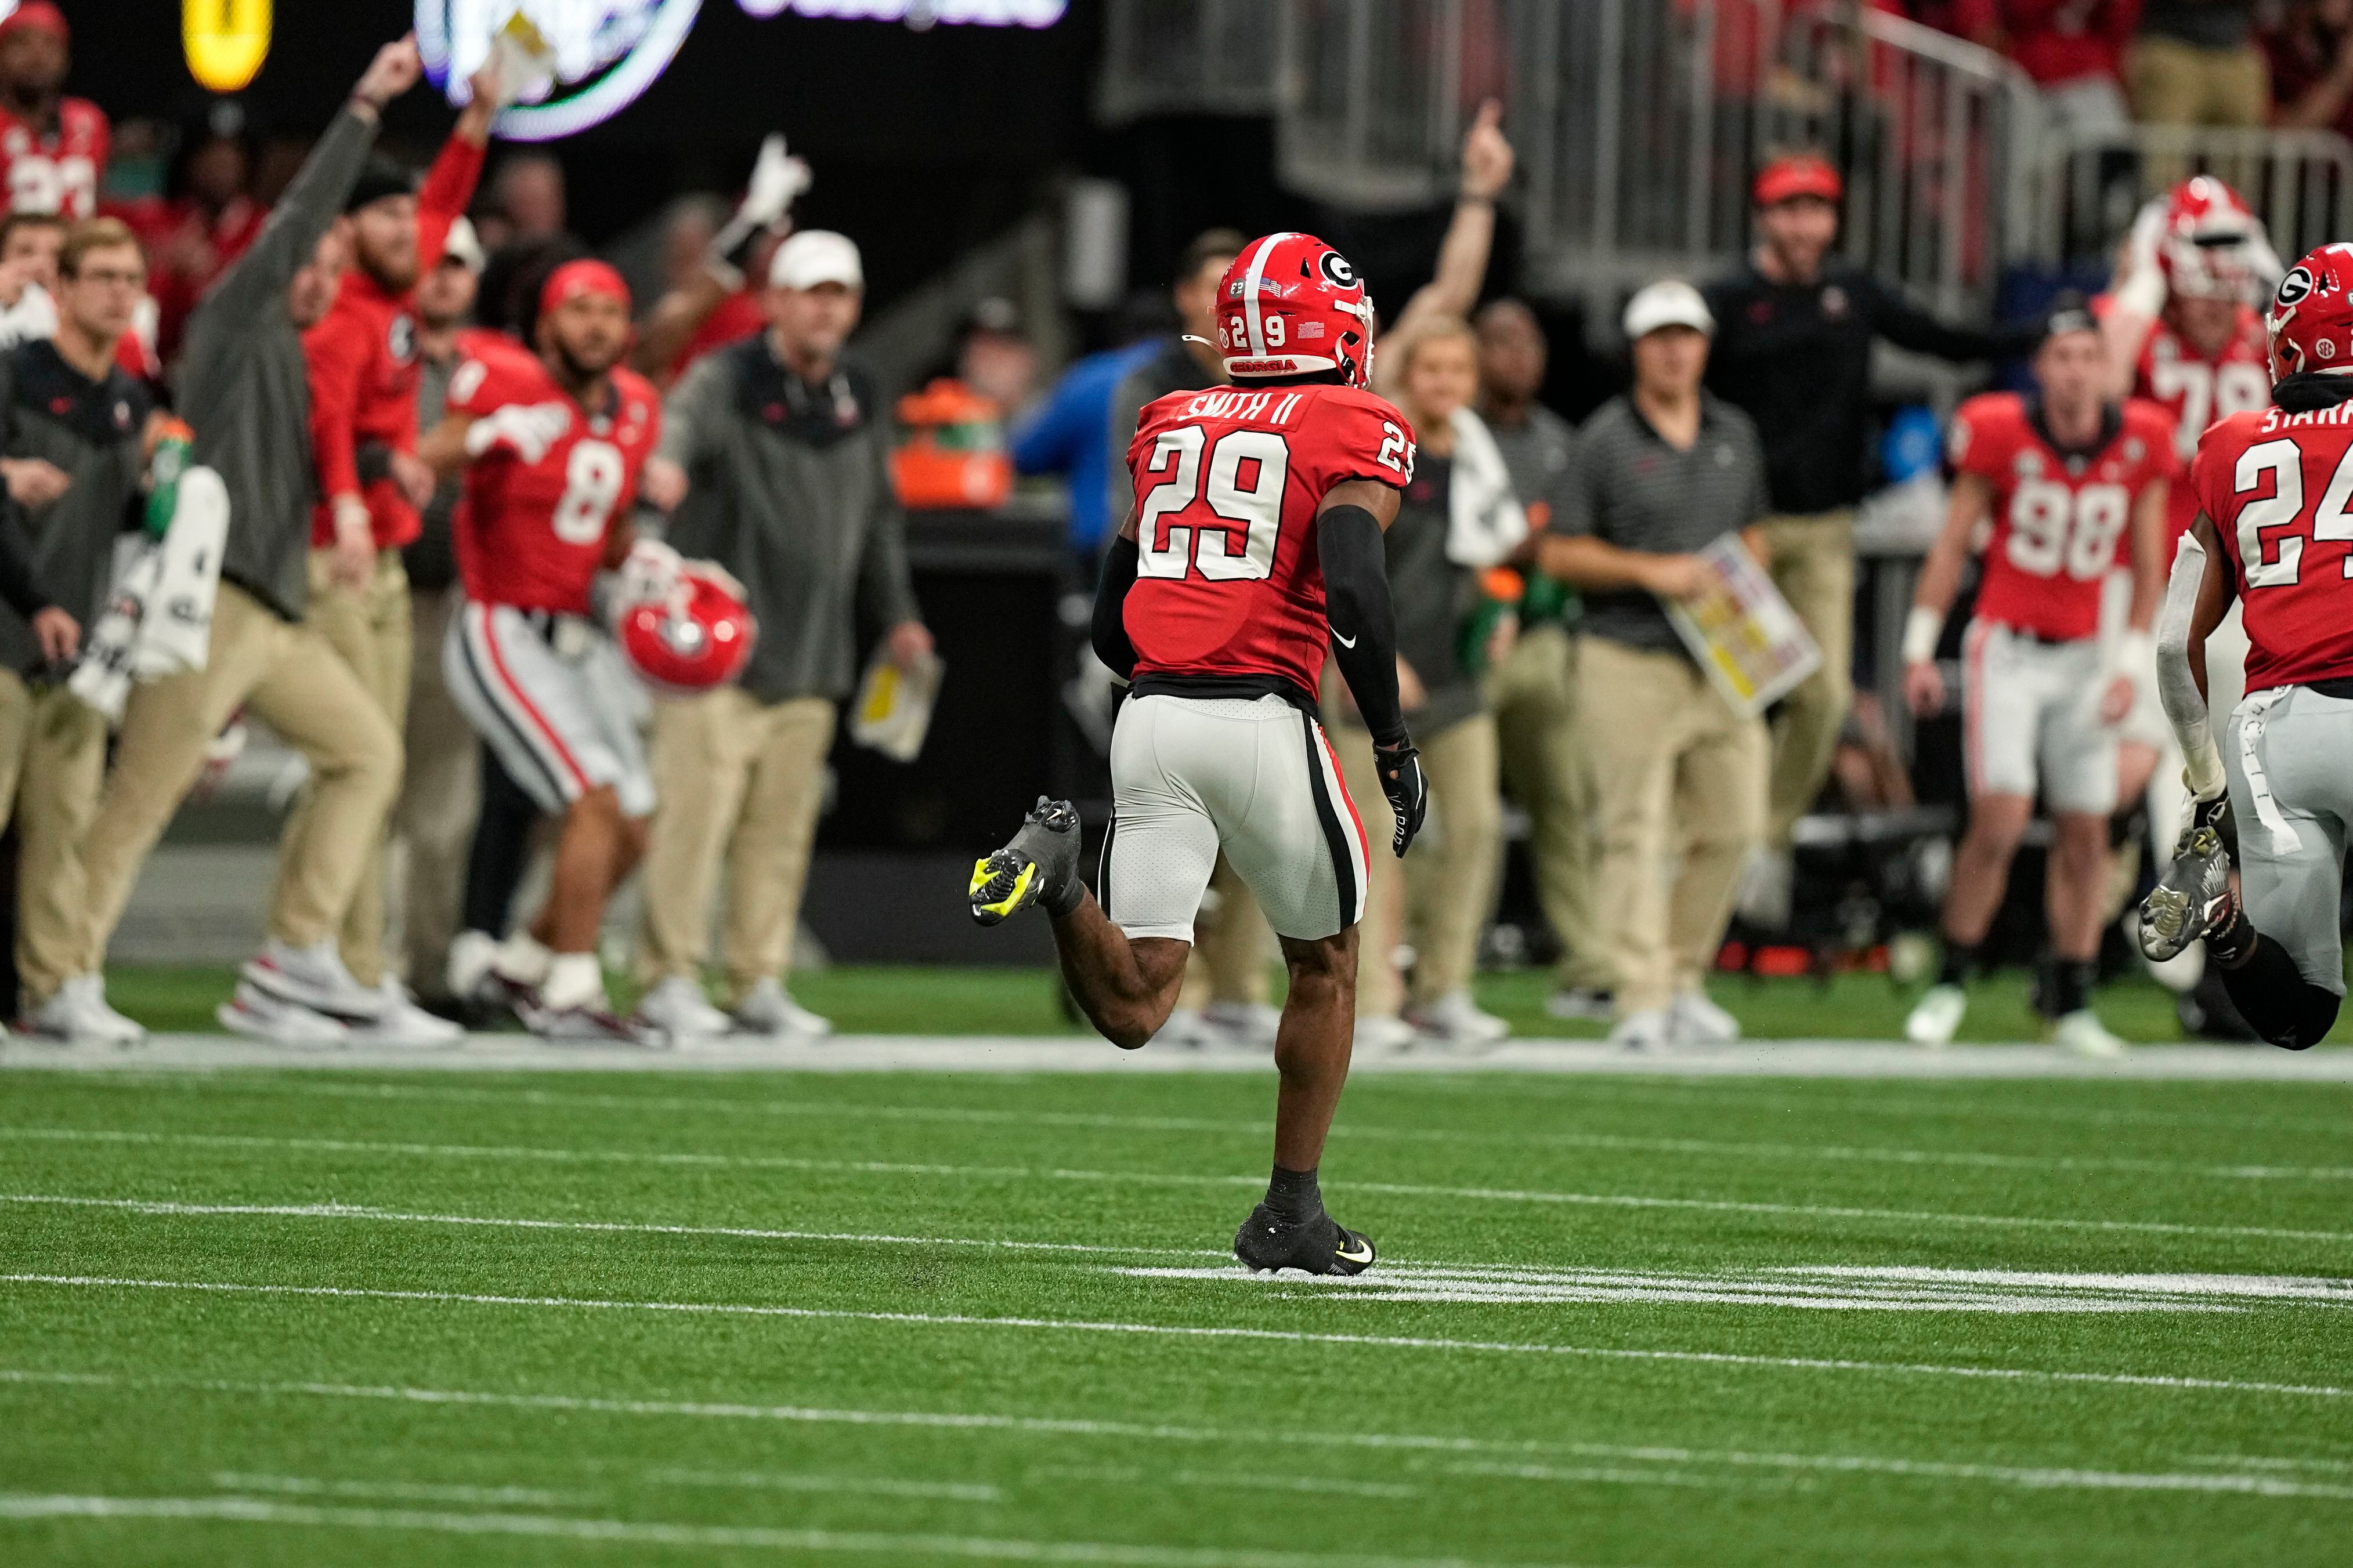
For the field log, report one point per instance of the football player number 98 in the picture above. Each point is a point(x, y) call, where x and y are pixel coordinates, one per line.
point(1245, 472)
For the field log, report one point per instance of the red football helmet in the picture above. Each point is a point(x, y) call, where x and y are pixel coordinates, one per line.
point(2207, 250)
point(694, 638)
point(2310, 322)
point(1292, 305)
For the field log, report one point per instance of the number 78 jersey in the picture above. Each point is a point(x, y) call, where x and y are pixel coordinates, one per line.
point(532, 533)
point(2278, 487)
point(1229, 584)
point(2059, 516)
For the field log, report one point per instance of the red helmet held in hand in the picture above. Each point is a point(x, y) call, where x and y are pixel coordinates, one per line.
point(2207, 250)
point(696, 637)
point(2310, 322)
point(1292, 305)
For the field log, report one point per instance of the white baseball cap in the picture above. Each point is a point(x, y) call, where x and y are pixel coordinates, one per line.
point(1670, 302)
point(816, 255)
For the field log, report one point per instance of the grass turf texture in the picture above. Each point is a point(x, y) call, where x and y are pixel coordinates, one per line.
point(978, 1001)
point(659, 1431)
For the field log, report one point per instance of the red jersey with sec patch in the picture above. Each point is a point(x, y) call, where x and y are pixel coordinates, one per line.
point(2059, 517)
point(2199, 389)
point(1228, 482)
point(2278, 487)
point(58, 169)
point(532, 535)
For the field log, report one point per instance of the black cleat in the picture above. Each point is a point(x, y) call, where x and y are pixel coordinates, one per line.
point(1041, 866)
point(2194, 897)
point(1320, 1245)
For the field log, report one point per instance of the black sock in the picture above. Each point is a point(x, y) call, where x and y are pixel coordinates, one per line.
point(1294, 1195)
point(1960, 962)
point(2277, 1002)
point(2234, 944)
point(2067, 985)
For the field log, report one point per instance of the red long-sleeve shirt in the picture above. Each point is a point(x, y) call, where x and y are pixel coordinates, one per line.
point(2056, 41)
point(361, 358)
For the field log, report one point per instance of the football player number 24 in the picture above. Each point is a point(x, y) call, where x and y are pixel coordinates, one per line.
point(1244, 478)
point(2284, 508)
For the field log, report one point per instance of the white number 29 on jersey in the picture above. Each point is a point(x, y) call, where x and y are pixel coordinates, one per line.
point(2053, 528)
point(1260, 458)
point(592, 483)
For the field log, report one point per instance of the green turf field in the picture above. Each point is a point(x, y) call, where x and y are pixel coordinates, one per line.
point(935, 1001)
point(420, 1317)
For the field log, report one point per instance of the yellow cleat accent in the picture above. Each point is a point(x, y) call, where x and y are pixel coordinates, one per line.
point(1011, 902)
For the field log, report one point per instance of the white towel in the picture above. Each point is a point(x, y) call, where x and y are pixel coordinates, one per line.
point(1486, 520)
point(160, 619)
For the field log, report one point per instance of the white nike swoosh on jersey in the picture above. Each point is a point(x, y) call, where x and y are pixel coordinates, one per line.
point(1344, 642)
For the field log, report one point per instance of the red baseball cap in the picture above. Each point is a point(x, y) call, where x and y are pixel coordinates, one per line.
point(1799, 174)
point(36, 14)
point(573, 278)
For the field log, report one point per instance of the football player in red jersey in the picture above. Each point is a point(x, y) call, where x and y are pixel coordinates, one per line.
point(552, 447)
point(1252, 553)
point(52, 148)
point(2274, 532)
point(2066, 476)
point(2183, 331)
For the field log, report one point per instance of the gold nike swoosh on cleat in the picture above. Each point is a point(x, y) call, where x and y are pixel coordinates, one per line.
point(1348, 1257)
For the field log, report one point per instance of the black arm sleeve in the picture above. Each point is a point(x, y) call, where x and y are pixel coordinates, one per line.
point(20, 585)
point(1364, 624)
point(1109, 632)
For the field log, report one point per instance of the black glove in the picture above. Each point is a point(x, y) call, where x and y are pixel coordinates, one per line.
point(1399, 767)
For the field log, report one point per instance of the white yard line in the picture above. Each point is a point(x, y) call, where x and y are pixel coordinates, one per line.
point(1349, 1130)
point(392, 1491)
point(2029, 1476)
point(1150, 1178)
point(1223, 1481)
point(257, 1510)
point(902, 1053)
point(360, 1212)
point(830, 1485)
point(1175, 1331)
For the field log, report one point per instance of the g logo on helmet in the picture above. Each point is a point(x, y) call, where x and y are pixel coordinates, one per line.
point(1337, 271)
point(2295, 287)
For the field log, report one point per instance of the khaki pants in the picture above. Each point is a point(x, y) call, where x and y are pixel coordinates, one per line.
point(52, 758)
point(1547, 769)
point(369, 627)
point(440, 797)
point(738, 779)
point(289, 679)
point(1679, 773)
point(2174, 83)
point(1230, 945)
point(1814, 565)
point(1439, 898)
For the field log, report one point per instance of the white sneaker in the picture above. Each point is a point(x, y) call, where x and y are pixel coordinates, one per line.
point(1577, 1005)
point(1937, 1018)
point(78, 1012)
point(1378, 1036)
point(404, 1023)
point(1699, 1021)
point(769, 1009)
point(589, 1024)
point(1455, 1020)
point(1768, 884)
point(1246, 1023)
point(313, 977)
point(2082, 1032)
point(1189, 1028)
point(255, 1013)
point(1648, 1030)
point(677, 1008)
point(472, 954)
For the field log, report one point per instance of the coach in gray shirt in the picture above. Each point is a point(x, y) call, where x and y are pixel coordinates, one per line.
point(776, 454)
point(1660, 473)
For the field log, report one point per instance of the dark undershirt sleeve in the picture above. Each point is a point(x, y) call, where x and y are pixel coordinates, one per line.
point(1109, 630)
point(1363, 623)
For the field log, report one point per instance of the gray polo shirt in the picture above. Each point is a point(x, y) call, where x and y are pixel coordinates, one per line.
point(1629, 487)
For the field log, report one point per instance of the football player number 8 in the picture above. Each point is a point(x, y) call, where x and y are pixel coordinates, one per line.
point(592, 483)
point(1246, 473)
